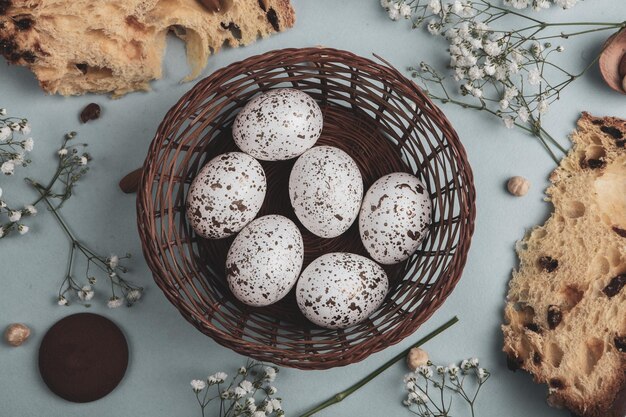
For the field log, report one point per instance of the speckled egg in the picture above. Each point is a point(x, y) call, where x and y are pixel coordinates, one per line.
point(264, 261)
point(326, 188)
point(226, 195)
point(338, 290)
point(394, 216)
point(277, 125)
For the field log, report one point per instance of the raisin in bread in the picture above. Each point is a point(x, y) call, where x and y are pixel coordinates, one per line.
point(117, 46)
point(565, 317)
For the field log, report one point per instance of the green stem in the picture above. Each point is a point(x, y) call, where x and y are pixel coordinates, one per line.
point(349, 391)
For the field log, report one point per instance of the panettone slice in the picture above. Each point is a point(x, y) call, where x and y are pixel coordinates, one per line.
point(117, 46)
point(565, 317)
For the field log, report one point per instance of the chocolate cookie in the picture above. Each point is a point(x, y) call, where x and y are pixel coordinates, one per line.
point(83, 357)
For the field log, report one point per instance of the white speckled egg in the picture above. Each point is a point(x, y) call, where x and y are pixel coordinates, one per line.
point(338, 290)
point(264, 260)
point(326, 188)
point(226, 195)
point(277, 125)
point(394, 216)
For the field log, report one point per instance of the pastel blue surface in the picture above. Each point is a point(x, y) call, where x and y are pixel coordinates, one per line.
point(166, 351)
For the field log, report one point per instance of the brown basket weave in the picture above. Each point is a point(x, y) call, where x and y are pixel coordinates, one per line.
point(373, 113)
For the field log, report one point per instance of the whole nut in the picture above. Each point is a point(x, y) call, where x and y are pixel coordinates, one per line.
point(518, 186)
point(16, 334)
point(416, 358)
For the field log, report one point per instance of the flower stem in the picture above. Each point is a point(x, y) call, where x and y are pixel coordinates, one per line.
point(349, 391)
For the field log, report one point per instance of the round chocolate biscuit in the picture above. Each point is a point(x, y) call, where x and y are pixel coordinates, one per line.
point(83, 357)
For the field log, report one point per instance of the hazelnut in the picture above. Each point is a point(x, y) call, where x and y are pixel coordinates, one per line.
point(16, 334)
point(416, 358)
point(518, 186)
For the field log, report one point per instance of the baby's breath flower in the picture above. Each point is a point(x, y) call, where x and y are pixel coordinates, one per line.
point(534, 77)
point(270, 374)
point(30, 210)
point(242, 371)
point(198, 385)
point(86, 293)
point(115, 302)
point(259, 414)
point(133, 296)
point(28, 144)
point(509, 122)
point(272, 390)
point(7, 168)
point(62, 152)
point(62, 301)
point(15, 215)
point(246, 385)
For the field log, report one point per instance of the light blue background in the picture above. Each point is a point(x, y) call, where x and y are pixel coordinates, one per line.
point(167, 352)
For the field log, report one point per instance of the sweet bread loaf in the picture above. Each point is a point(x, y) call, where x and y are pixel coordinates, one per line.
point(117, 46)
point(565, 317)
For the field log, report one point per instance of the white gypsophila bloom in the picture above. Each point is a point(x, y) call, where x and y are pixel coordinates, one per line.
point(459, 74)
point(133, 295)
point(465, 365)
point(517, 56)
point(220, 377)
point(474, 362)
point(542, 107)
point(425, 371)
point(500, 73)
point(259, 414)
point(83, 160)
point(457, 7)
point(492, 48)
point(534, 76)
point(5, 133)
point(7, 168)
point(25, 129)
point(435, 6)
point(453, 370)
point(482, 373)
point(434, 28)
point(239, 392)
point(18, 158)
point(3, 111)
point(513, 67)
point(560, 48)
point(270, 374)
point(13, 126)
point(242, 370)
point(62, 301)
point(1, 231)
point(411, 386)
point(276, 404)
point(394, 11)
point(538, 5)
point(86, 293)
point(475, 73)
point(519, 4)
point(489, 69)
point(22, 229)
point(477, 92)
point(504, 104)
point(272, 390)
point(509, 122)
point(28, 144)
point(405, 10)
point(246, 385)
point(536, 49)
point(523, 114)
point(566, 4)
point(385, 3)
point(510, 92)
point(62, 152)
point(15, 216)
point(30, 209)
point(198, 385)
point(409, 377)
point(115, 302)
point(113, 261)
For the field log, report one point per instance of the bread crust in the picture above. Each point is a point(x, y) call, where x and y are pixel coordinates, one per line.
point(565, 316)
point(117, 46)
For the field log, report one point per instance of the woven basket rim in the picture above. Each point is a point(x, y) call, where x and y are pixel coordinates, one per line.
point(411, 322)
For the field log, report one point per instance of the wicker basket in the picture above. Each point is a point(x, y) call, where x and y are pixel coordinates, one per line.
point(386, 123)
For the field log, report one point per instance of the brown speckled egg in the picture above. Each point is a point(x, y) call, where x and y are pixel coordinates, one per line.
point(394, 216)
point(338, 290)
point(325, 189)
point(226, 195)
point(277, 125)
point(264, 261)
